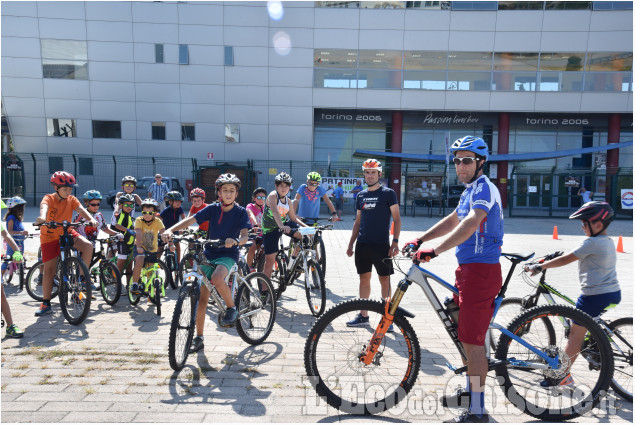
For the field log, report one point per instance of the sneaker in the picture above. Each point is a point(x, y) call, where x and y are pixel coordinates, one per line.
point(44, 309)
point(459, 399)
point(14, 332)
point(469, 417)
point(134, 288)
point(197, 344)
point(264, 296)
point(228, 320)
point(567, 381)
point(358, 321)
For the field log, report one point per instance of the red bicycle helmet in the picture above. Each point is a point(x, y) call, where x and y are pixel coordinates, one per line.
point(197, 191)
point(64, 179)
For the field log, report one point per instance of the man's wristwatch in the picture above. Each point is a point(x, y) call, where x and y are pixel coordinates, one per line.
point(395, 240)
point(334, 213)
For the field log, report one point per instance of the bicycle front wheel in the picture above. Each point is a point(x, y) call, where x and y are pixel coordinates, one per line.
point(256, 306)
point(172, 270)
point(185, 266)
point(622, 344)
point(332, 359)
point(182, 326)
point(156, 284)
point(532, 386)
point(320, 251)
point(75, 295)
point(315, 288)
point(110, 282)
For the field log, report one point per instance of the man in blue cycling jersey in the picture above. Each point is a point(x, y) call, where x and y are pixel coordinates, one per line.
point(475, 228)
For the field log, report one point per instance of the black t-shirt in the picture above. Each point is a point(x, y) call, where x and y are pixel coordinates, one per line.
point(375, 209)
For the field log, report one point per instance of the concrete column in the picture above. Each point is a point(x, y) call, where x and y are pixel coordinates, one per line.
point(395, 171)
point(613, 160)
point(503, 148)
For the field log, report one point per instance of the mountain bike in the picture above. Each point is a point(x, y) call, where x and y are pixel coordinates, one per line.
point(364, 370)
point(169, 259)
point(194, 246)
point(103, 267)
point(154, 275)
point(285, 272)
point(619, 332)
point(253, 297)
point(16, 267)
point(75, 287)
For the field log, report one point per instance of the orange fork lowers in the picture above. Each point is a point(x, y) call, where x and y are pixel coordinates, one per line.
point(379, 334)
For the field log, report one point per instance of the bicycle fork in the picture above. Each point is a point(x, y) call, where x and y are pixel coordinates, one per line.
point(390, 307)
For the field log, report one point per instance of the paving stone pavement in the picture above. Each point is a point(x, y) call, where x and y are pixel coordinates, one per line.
point(114, 366)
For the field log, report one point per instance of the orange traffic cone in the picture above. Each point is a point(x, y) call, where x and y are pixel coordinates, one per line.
point(392, 229)
point(620, 245)
point(555, 232)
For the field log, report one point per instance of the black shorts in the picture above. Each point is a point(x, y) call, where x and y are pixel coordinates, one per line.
point(125, 250)
point(368, 255)
point(270, 241)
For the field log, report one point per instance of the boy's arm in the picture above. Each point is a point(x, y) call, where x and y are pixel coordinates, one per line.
point(295, 218)
point(244, 236)
point(137, 199)
point(563, 260)
point(183, 224)
point(272, 203)
point(296, 203)
point(138, 238)
point(44, 209)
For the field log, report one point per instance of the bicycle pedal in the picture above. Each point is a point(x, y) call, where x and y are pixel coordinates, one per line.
point(452, 368)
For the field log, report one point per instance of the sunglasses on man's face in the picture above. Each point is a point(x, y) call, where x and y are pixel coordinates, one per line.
point(128, 205)
point(147, 212)
point(128, 185)
point(313, 184)
point(466, 161)
point(95, 205)
point(261, 198)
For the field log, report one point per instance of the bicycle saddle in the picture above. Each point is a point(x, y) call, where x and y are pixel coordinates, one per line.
point(518, 257)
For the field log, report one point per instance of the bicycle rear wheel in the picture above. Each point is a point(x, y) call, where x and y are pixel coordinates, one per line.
point(110, 282)
point(33, 282)
point(510, 308)
point(315, 288)
point(522, 375)
point(75, 298)
point(185, 266)
point(182, 326)
point(331, 359)
point(256, 308)
point(623, 357)
point(21, 273)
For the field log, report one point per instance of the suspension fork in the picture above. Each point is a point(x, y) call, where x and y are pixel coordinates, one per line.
point(390, 307)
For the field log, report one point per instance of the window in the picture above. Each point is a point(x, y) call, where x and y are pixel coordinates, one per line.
point(426, 60)
point(158, 53)
point(56, 163)
point(229, 56)
point(335, 58)
point(107, 129)
point(520, 5)
point(568, 5)
point(232, 133)
point(515, 61)
point(158, 131)
point(562, 61)
point(65, 59)
point(341, 4)
point(187, 131)
point(85, 166)
point(383, 5)
point(470, 61)
point(612, 5)
point(444, 5)
point(60, 127)
point(474, 5)
point(609, 61)
point(380, 59)
point(184, 57)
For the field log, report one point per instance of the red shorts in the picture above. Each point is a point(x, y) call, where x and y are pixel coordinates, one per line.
point(50, 250)
point(478, 285)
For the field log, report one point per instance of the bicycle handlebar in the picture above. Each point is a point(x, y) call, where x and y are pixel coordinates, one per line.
point(56, 224)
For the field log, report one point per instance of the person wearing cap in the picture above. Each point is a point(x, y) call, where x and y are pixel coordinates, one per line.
point(376, 206)
point(158, 190)
point(475, 228)
point(358, 188)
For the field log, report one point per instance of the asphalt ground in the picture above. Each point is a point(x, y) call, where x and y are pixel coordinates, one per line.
point(114, 366)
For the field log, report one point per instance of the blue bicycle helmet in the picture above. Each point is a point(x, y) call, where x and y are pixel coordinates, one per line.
point(92, 194)
point(471, 144)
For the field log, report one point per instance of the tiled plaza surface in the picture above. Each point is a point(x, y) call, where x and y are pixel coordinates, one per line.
point(114, 366)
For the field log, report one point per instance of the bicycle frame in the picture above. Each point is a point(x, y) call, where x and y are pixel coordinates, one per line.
point(420, 277)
